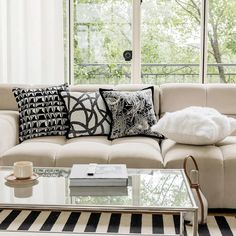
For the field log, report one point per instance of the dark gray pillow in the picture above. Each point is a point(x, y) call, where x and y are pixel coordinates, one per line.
point(87, 114)
point(132, 113)
point(41, 112)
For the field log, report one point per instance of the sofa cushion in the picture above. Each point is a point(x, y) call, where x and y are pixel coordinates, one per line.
point(222, 97)
point(211, 166)
point(195, 125)
point(227, 141)
point(87, 114)
point(178, 96)
point(42, 112)
point(136, 152)
point(41, 151)
point(9, 102)
point(9, 127)
point(132, 113)
point(119, 87)
point(229, 154)
point(83, 150)
point(136, 87)
point(228, 149)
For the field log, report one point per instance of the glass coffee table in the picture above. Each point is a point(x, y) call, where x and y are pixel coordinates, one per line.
point(156, 191)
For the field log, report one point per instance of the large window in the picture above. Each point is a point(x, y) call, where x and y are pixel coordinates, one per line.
point(176, 41)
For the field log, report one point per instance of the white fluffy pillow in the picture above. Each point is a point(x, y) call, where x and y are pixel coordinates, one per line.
point(195, 125)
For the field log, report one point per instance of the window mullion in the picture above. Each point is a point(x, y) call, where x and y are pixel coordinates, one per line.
point(71, 42)
point(136, 44)
point(204, 41)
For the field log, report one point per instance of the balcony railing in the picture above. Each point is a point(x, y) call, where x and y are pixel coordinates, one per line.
point(153, 73)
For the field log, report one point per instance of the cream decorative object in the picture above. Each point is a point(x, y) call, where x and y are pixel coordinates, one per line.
point(23, 169)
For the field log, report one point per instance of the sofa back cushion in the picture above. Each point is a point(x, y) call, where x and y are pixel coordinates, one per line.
point(222, 97)
point(120, 87)
point(178, 96)
point(7, 99)
point(173, 97)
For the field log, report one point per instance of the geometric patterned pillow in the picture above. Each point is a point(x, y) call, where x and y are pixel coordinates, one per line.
point(87, 114)
point(132, 113)
point(41, 112)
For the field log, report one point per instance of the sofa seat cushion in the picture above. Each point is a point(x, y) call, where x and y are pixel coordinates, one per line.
point(228, 149)
point(211, 167)
point(41, 151)
point(136, 152)
point(84, 150)
point(227, 141)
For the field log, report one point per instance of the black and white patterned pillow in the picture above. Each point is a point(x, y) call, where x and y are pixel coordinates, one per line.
point(132, 113)
point(41, 112)
point(87, 114)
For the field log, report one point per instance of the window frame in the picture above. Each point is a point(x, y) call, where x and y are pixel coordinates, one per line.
point(204, 41)
point(136, 64)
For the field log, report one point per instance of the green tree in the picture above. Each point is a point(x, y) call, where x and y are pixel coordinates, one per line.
point(221, 30)
point(104, 28)
point(170, 34)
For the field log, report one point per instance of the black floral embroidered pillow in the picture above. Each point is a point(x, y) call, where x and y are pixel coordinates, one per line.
point(41, 112)
point(132, 113)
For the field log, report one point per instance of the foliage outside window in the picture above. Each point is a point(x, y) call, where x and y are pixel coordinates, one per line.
point(102, 30)
point(222, 41)
point(170, 41)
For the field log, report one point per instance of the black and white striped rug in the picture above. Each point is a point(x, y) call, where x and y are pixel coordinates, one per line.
point(105, 222)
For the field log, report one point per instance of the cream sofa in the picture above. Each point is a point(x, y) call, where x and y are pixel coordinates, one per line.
point(217, 163)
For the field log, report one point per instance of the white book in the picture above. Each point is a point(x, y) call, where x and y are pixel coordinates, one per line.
point(104, 175)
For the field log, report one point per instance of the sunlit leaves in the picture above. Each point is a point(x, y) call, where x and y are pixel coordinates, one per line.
point(170, 34)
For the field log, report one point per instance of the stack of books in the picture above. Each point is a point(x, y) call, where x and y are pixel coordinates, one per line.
point(98, 175)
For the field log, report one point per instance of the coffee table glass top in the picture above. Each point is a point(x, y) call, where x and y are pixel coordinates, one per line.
point(147, 189)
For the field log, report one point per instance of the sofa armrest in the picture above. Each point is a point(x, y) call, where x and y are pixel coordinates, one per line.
point(9, 130)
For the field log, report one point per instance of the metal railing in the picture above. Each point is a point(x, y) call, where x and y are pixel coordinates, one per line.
point(153, 73)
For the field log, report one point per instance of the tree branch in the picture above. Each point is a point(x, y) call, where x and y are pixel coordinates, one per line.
point(197, 8)
point(181, 4)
